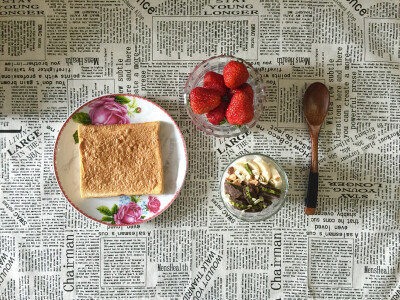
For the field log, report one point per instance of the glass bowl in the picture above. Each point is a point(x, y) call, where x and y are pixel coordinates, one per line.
point(266, 212)
point(217, 64)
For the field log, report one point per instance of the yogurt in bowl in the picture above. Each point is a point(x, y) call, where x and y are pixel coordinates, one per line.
point(254, 187)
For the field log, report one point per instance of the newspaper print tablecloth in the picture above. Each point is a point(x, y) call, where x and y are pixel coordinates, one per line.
point(56, 55)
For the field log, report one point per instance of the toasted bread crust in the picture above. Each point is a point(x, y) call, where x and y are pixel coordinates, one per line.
point(120, 159)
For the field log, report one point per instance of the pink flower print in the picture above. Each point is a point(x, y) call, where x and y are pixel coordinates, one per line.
point(128, 214)
point(154, 204)
point(106, 111)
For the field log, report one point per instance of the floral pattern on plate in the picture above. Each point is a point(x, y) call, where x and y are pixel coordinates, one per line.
point(131, 210)
point(106, 111)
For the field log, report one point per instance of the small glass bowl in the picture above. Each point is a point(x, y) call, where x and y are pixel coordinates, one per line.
point(217, 64)
point(271, 209)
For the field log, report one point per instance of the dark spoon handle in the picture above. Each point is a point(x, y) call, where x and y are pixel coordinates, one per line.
point(312, 194)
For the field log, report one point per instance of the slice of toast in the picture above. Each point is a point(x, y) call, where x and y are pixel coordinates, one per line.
point(120, 159)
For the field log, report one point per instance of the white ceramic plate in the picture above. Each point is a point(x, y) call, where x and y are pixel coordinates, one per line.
point(122, 210)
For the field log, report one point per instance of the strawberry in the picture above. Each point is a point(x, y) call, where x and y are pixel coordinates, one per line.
point(217, 115)
point(203, 100)
point(235, 74)
point(240, 110)
point(245, 87)
point(215, 81)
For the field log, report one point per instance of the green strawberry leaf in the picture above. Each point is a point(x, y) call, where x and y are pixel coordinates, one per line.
point(238, 126)
point(112, 222)
point(81, 118)
point(223, 122)
point(105, 210)
point(225, 98)
point(114, 209)
point(76, 138)
point(107, 219)
point(142, 217)
point(122, 99)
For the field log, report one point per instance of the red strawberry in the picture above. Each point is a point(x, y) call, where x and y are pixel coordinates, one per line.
point(203, 100)
point(245, 87)
point(217, 115)
point(235, 74)
point(240, 110)
point(215, 82)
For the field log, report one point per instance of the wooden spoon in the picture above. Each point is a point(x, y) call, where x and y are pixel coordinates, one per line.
point(315, 107)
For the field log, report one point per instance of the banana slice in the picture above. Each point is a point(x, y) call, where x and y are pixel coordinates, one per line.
point(264, 167)
point(239, 166)
point(276, 178)
point(241, 171)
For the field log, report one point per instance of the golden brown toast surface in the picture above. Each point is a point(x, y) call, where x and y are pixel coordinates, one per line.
point(120, 159)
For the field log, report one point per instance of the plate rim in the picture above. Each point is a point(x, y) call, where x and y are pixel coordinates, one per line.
point(58, 179)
